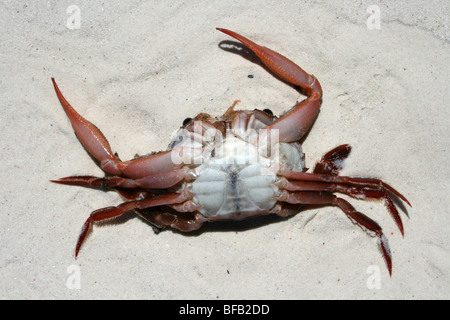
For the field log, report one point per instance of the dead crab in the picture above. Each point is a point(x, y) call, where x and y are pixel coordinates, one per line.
point(243, 164)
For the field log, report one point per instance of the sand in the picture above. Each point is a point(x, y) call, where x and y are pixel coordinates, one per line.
point(138, 69)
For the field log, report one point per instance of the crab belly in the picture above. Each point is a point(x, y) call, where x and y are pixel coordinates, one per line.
point(236, 183)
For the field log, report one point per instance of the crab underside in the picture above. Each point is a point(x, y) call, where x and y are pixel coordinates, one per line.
point(243, 164)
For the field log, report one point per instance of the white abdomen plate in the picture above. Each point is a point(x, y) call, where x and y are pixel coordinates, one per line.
point(235, 182)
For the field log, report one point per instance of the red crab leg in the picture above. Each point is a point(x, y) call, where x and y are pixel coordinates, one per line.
point(112, 212)
point(362, 182)
point(300, 118)
point(90, 136)
point(355, 192)
point(284, 209)
point(333, 161)
point(359, 188)
point(326, 198)
point(156, 181)
point(185, 222)
point(103, 183)
point(132, 194)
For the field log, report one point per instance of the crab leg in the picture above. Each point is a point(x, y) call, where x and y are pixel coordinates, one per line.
point(293, 125)
point(326, 198)
point(362, 182)
point(333, 161)
point(185, 222)
point(355, 192)
point(112, 212)
point(359, 188)
point(284, 209)
point(155, 181)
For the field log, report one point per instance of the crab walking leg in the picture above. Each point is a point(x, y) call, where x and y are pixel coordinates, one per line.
point(155, 181)
point(360, 188)
point(326, 198)
point(355, 192)
point(362, 182)
point(284, 209)
point(104, 183)
point(293, 125)
point(112, 212)
point(333, 161)
point(185, 222)
point(90, 136)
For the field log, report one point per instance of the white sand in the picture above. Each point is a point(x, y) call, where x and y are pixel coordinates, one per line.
point(137, 70)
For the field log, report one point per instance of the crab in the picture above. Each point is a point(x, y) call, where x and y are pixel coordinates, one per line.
point(240, 165)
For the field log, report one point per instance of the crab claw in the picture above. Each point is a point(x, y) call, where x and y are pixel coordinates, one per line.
point(294, 124)
point(90, 136)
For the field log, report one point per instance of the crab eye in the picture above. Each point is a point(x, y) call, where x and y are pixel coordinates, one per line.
point(268, 111)
point(186, 121)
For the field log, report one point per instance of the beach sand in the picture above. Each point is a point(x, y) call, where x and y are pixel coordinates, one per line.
point(138, 69)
